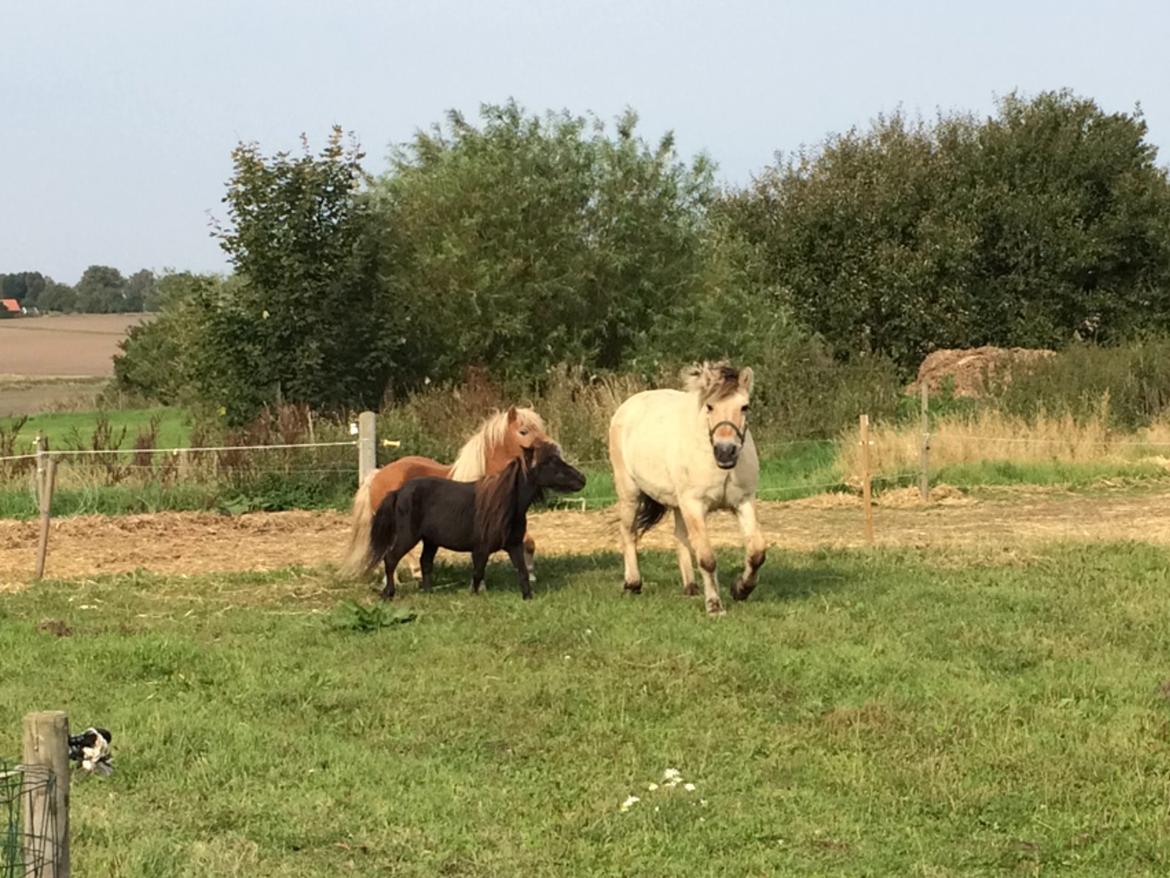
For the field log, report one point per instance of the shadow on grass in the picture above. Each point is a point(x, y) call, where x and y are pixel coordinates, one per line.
point(780, 579)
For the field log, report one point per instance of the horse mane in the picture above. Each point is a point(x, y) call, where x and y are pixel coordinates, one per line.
point(711, 381)
point(471, 462)
point(495, 495)
point(495, 503)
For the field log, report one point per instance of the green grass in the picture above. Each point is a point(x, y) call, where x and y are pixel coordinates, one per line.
point(1054, 473)
point(71, 429)
point(865, 713)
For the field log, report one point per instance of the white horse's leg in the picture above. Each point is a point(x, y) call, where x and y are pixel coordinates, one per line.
point(695, 516)
point(627, 510)
point(686, 555)
point(755, 549)
point(627, 494)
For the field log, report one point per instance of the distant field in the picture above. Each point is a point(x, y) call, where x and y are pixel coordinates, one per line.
point(69, 345)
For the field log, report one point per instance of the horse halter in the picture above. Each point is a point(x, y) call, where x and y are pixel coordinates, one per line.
point(741, 435)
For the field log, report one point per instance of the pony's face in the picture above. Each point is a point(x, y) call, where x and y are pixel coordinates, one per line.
point(727, 420)
point(552, 471)
point(522, 433)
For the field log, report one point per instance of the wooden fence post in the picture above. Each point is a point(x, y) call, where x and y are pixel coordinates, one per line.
point(924, 458)
point(46, 515)
point(866, 491)
point(42, 458)
point(367, 445)
point(46, 746)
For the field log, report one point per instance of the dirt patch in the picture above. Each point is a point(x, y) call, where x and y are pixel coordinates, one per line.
point(69, 345)
point(972, 368)
point(183, 543)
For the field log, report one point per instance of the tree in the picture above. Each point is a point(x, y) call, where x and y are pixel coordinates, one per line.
point(141, 292)
point(304, 325)
point(101, 290)
point(57, 297)
point(1047, 222)
point(530, 241)
point(24, 286)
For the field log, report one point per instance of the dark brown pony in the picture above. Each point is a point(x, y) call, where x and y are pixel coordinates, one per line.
point(479, 518)
point(501, 439)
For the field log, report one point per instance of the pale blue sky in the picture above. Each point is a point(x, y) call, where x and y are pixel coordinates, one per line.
point(117, 117)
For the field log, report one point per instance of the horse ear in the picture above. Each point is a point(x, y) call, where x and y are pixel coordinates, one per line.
point(745, 380)
point(512, 415)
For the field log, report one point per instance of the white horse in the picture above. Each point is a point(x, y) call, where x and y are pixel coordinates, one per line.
point(689, 451)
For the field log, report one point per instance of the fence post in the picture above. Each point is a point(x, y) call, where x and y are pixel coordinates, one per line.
point(46, 745)
point(49, 482)
point(866, 491)
point(41, 462)
point(924, 458)
point(367, 446)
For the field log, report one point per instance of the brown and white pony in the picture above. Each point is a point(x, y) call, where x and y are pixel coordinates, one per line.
point(500, 439)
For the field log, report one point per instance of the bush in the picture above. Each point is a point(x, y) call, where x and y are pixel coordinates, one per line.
point(1046, 223)
point(1129, 384)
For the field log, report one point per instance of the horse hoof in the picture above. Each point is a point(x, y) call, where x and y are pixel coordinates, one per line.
point(715, 607)
point(741, 590)
point(633, 587)
point(690, 590)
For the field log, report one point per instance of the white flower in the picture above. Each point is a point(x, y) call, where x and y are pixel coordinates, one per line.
point(672, 777)
point(689, 787)
point(703, 802)
point(629, 803)
point(652, 787)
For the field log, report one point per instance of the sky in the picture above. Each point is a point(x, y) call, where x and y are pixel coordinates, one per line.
point(117, 118)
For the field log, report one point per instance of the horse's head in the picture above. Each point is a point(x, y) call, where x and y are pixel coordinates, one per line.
point(724, 392)
point(524, 429)
point(550, 470)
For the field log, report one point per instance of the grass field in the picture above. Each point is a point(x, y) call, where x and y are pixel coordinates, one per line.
point(75, 429)
point(891, 712)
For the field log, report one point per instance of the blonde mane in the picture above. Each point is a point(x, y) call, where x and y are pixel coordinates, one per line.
point(711, 381)
point(471, 462)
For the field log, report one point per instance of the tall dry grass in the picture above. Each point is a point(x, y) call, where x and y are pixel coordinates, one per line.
point(991, 435)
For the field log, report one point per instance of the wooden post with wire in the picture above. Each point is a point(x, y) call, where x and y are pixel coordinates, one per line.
point(924, 456)
point(46, 509)
point(42, 459)
point(367, 445)
point(46, 747)
point(866, 475)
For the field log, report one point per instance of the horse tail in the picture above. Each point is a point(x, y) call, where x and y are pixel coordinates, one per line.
point(381, 534)
point(648, 514)
point(354, 562)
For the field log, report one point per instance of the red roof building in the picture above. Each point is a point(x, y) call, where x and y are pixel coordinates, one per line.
point(10, 305)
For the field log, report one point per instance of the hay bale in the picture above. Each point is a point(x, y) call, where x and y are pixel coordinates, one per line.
point(972, 369)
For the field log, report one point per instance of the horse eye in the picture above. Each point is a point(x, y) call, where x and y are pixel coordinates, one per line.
point(710, 408)
point(745, 408)
point(523, 432)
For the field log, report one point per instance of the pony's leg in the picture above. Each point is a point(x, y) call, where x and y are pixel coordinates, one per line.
point(755, 550)
point(478, 568)
point(391, 562)
point(427, 563)
point(695, 516)
point(686, 555)
point(517, 553)
point(413, 558)
point(530, 556)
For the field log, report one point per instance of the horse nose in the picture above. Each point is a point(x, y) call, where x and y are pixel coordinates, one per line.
point(726, 453)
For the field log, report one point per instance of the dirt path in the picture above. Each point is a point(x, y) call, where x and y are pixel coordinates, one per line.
point(204, 542)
